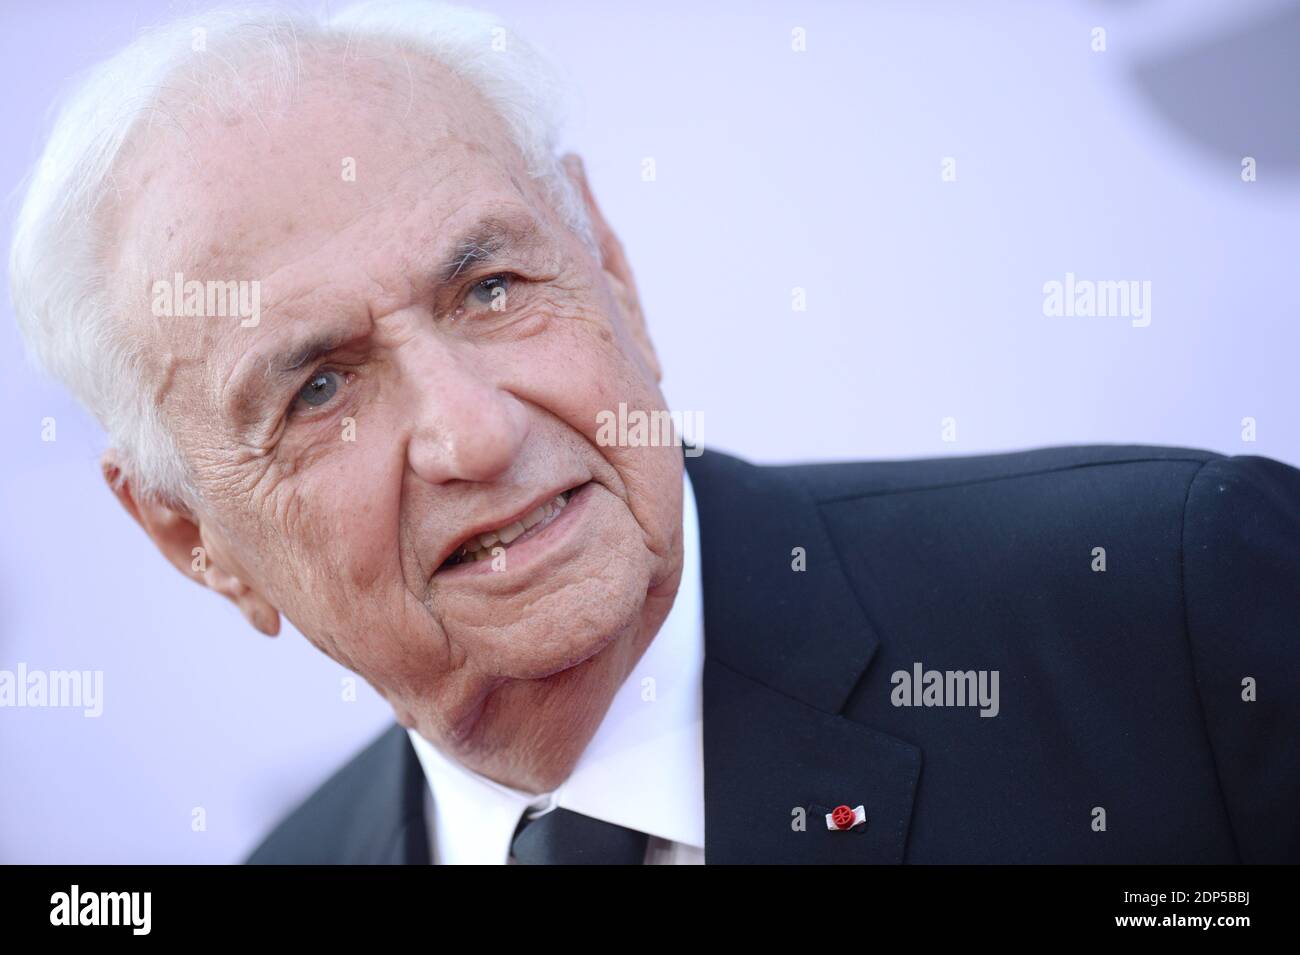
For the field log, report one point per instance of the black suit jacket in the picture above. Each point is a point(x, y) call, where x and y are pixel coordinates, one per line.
point(1119, 690)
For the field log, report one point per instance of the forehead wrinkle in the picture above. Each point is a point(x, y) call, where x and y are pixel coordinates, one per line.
point(168, 366)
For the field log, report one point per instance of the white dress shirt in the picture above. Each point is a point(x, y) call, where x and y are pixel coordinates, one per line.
point(643, 769)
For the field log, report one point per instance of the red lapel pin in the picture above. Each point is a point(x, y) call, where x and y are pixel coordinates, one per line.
point(842, 818)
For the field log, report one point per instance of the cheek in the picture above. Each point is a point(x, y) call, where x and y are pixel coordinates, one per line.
point(652, 482)
point(335, 534)
point(581, 372)
point(580, 369)
point(649, 475)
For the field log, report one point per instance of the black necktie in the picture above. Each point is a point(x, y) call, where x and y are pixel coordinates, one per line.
point(562, 837)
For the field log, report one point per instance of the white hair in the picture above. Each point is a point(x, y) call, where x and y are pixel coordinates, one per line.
point(58, 274)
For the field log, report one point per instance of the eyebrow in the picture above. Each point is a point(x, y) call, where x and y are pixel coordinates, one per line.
point(473, 250)
point(256, 388)
point(488, 240)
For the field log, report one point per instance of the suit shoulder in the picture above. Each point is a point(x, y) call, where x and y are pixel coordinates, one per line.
point(1245, 496)
point(353, 816)
point(837, 481)
point(1241, 559)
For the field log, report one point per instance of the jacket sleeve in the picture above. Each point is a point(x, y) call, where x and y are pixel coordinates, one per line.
point(1241, 594)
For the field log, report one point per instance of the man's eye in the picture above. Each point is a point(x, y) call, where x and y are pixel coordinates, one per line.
point(491, 291)
point(318, 390)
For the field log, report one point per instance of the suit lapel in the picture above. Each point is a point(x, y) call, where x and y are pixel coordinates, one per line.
point(384, 823)
point(783, 651)
point(410, 843)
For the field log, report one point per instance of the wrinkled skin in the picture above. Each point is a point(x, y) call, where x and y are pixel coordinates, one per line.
point(462, 415)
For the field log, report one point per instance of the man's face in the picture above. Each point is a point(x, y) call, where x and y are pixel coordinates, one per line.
point(433, 350)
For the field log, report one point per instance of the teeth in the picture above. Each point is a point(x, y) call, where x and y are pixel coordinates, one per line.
point(480, 548)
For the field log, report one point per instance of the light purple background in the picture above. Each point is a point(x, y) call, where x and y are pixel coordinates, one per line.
point(775, 170)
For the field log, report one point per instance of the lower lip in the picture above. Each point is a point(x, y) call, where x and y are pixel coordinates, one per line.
point(526, 547)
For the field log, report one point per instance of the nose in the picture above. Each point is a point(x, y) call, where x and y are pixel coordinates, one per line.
point(467, 427)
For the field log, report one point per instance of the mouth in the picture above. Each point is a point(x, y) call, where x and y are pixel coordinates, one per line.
point(482, 545)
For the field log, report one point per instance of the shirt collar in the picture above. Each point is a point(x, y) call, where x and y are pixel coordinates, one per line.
point(644, 767)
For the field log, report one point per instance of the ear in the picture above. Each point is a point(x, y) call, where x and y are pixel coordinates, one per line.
point(614, 262)
point(175, 532)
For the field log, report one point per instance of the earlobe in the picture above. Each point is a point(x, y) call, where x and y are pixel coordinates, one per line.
point(259, 613)
point(180, 539)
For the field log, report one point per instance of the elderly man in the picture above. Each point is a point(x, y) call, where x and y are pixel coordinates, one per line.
point(353, 329)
